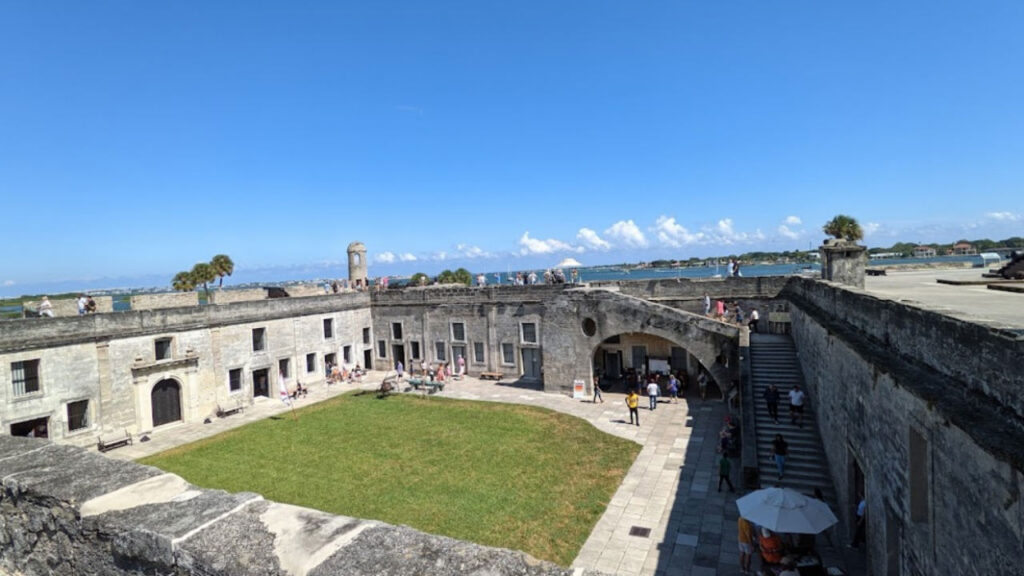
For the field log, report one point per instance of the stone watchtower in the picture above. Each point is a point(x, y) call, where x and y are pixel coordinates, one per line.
point(843, 261)
point(357, 277)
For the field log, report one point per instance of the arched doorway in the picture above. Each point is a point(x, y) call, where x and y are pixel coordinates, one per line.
point(166, 402)
point(622, 360)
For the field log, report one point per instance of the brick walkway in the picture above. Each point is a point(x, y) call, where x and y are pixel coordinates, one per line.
point(670, 489)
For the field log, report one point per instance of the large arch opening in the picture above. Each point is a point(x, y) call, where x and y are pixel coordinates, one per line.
point(625, 360)
point(166, 402)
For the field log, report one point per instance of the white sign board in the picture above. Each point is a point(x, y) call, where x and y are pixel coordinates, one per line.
point(579, 389)
point(657, 365)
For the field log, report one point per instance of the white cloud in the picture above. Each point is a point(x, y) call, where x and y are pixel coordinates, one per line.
point(628, 233)
point(386, 257)
point(1004, 216)
point(468, 251)
point(787, 232)
point(671, 233)
point(592, 240)
point(725, 227)
point(537, 246)
point(871, 227)
point(407, 257)
point(793, 221)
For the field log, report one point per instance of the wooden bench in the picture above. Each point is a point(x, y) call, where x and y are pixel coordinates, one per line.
point(225, 411)
point(115, 440)
point(872, 272)
point(491, 376)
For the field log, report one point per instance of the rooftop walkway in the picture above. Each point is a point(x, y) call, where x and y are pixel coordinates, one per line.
point(671, 489)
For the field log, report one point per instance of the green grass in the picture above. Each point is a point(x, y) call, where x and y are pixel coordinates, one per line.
point(496, 474)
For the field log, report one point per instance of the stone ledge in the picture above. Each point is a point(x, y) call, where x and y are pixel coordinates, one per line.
point(65, 510)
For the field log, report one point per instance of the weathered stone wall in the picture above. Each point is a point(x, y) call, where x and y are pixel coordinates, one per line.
point(110, 359)
point(843, 262)
point(165, 300)
point(232, 296)
point(879, 373)
point(65, 511)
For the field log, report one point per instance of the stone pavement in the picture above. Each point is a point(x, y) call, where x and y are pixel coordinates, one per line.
point(671, 489)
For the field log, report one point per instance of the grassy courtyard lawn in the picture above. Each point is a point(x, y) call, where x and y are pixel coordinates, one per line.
point(496, 474)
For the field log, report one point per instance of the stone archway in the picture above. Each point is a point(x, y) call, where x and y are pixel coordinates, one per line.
point(619, 359)
point(165, 400)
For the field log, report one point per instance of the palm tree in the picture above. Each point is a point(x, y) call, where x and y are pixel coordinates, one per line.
point(419, 279)
point(183, 282)
point(203, 273)
point(223, 266)
point(843, 227)
point(462, 276)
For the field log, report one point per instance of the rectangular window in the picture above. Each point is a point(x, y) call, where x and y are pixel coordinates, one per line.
point(78, 415)
point(396, 330)
point(366, 335)
point(328, 328)
point(478, 352)
point(529, 332)
point(508, 354)
point(163, 348)
point(382, 348)
point(346, 354)
point(415, 347)
point(459, 331)
point(259, 339)
point(284, 367)
point(234, 380)
point(440, 350)
point(310, 363)
point(25, 376)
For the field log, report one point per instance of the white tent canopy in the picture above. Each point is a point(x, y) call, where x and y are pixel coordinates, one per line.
point(569, 263)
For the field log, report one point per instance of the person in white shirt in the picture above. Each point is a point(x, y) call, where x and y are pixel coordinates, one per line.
point(796, 405)
point(45, 308)
point(81, 305)
point(754, 317)
point(652, 394)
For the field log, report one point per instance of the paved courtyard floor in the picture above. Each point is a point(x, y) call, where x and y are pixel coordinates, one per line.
point(671, 489)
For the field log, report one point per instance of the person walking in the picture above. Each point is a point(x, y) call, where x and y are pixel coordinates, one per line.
point(771, 398)
point(780, 449)
point(745, 536)
point(399, 368)
point(754, 317)
point(702, 385)
point(652, 393)
point(707, 304)
point(796, 405)
point(597, 390)
point(673, 387)
point(633, 401)
point(724, 468)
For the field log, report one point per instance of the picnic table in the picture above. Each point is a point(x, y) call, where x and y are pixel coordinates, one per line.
point(428, 385)
point(491, 376)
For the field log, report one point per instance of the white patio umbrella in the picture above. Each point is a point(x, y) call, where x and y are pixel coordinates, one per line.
point(785, 510)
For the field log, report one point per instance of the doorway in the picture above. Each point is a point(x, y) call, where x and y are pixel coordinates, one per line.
point(261, 383)
point(368, 359)
point(531, 363)
point(398, 353)
point(36, 428)
point(166, 402)
point(458, 350)
point(613, 365)
point(640, 359)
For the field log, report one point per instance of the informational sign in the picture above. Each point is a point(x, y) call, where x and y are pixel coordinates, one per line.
point(658, 365)
point(579, 389)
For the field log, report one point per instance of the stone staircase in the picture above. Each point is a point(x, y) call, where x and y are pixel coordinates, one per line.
point(773, 360)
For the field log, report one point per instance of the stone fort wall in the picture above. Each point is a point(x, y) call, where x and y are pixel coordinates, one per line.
point(66, 511)
point(928, 408)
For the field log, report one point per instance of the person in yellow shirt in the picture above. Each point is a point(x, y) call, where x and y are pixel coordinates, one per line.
point(745, 536)
point(632, 401)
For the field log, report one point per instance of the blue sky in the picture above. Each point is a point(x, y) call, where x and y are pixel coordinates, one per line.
point(137, 138)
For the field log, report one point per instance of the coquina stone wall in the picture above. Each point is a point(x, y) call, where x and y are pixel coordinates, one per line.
point(164, 300)
point(66, 511)
point(928, 408)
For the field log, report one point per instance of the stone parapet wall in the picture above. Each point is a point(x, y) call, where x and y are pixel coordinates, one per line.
point(962, 512)
point(687, 289)
point(449, 294)
point(32, 333)
point(303, 290)
point(67, 511)
point(221, 297)
point(69, 306)
point(976, 358)
point(165, 300)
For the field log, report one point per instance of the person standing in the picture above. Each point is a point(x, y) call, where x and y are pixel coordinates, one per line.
point(780, 449)
point(707, 304)
point(652, 393)
point(462, 366)
point(745, 536)
point(45, 308)
point(754, 317)
point(858, 534)
point(597, 389)
point(702, 385)
point(81, 305)
point(796, 405)
point(400, 369)
point(720, 309)
point(633, 403)
point(771, 398)
point(673, 387)
point(724, 468)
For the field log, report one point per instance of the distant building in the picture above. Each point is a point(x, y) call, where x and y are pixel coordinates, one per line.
point(924, 252)
point(964, 249)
